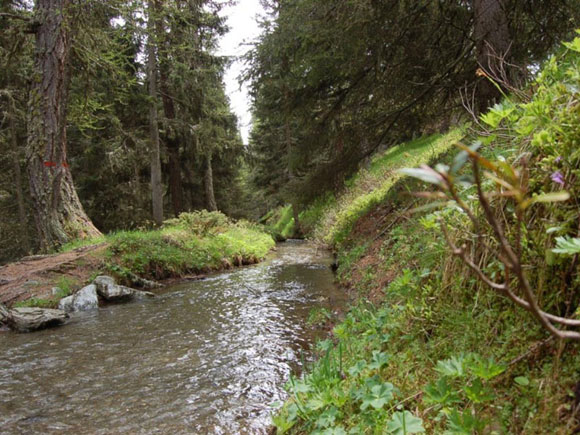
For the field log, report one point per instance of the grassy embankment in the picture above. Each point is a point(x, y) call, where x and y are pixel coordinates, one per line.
point(363, 191)
point(194, 243)
point(427, 347)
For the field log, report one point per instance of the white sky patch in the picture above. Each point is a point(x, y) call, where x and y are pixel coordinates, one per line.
point(244, 30)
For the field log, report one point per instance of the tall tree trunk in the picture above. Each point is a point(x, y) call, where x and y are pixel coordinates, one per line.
point(171, 137)
point(492, 41)
point(175, 183)
point(25, 239)
point(208, 183)
point(58, 211)
point(155, 153)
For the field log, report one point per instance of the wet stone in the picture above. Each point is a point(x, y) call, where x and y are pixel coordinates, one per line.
point(85, 299)
point(33, 319)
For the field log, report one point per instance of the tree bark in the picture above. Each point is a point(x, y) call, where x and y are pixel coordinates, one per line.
point(171, 137)
point(155, 152)
point(25, 239)
point(59, 214)
point(492, 42)
point(208, 183)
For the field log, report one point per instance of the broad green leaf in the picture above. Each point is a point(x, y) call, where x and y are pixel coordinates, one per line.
point(463, 423)
point(522, 380)
point(300, 387)
point(339, 430)
point(567, 246)
point(440, 393)
point(379, 360)
point(477, 392)
point(496, 114)
point(328, 417)
point(292, 410)
point(403, 423)
point(378, 396)
point(486, 368)
point(452, 367)
point(314, 404)
point(574, 45)
point(357, 368)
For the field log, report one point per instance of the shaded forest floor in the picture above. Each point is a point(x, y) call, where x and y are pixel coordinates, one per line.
point(34, 277)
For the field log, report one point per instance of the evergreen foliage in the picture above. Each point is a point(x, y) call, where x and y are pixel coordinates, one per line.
point(334, 81)
point(107, 113)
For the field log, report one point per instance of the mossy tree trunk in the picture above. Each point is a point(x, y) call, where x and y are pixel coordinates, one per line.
point(155, 152)
point(171, 137)
point(18, 186)
point(211, 204)
point(492, 43)
point(59, 214)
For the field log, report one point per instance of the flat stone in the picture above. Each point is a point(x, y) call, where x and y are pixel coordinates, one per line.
point(111, 292)
point(33, 319)
point(4, 314)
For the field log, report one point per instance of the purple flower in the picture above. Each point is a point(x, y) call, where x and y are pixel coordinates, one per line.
point(558, 159)
point(557, 177)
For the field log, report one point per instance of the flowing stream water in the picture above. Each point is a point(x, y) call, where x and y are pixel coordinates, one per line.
point(204, 357)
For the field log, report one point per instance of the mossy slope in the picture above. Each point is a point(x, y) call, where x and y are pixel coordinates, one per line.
point(426, 347)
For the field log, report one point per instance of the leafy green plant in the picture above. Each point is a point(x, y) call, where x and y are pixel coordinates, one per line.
point(567, 246)
point(201, 222)
point(509, 184)
point(403, 422)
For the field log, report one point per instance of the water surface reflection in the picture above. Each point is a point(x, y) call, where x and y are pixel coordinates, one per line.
point(204, 357)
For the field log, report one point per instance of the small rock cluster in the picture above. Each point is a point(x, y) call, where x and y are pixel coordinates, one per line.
point(103, 288)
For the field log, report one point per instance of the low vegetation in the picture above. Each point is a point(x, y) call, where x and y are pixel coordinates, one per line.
point(197, 242)
point(430, 345)
point(192, 244)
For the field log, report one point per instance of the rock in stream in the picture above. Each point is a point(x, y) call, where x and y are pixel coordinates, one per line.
point(111, 292)
point(31, 319)
point(85, 299)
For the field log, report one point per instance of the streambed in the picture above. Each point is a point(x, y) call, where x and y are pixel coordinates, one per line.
point(206, 356)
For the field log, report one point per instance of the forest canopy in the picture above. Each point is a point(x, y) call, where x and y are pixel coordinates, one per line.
point(335, 81)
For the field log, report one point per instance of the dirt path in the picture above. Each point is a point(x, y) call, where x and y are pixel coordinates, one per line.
point(35, 276)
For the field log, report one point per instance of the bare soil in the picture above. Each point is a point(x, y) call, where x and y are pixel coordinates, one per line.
point(34, 277)
point(374, 227)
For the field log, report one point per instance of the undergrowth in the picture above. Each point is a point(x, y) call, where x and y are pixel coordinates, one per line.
point(427, 347)
point(369, 187)
point(197, 242)
point(194, 243)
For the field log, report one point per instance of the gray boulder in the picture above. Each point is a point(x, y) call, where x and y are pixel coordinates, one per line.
point(33, 319)
point(85, 299)
point(4, 314)
point(112, 292)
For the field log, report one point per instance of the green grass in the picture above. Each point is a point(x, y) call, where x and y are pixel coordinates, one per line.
point(280, 222)
point(81, 243)
point(177, 250)
point(400, 354)
point(37, 303)
point(426, 341)
point(66, 287)
point(194, 243)
point(369, 187)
